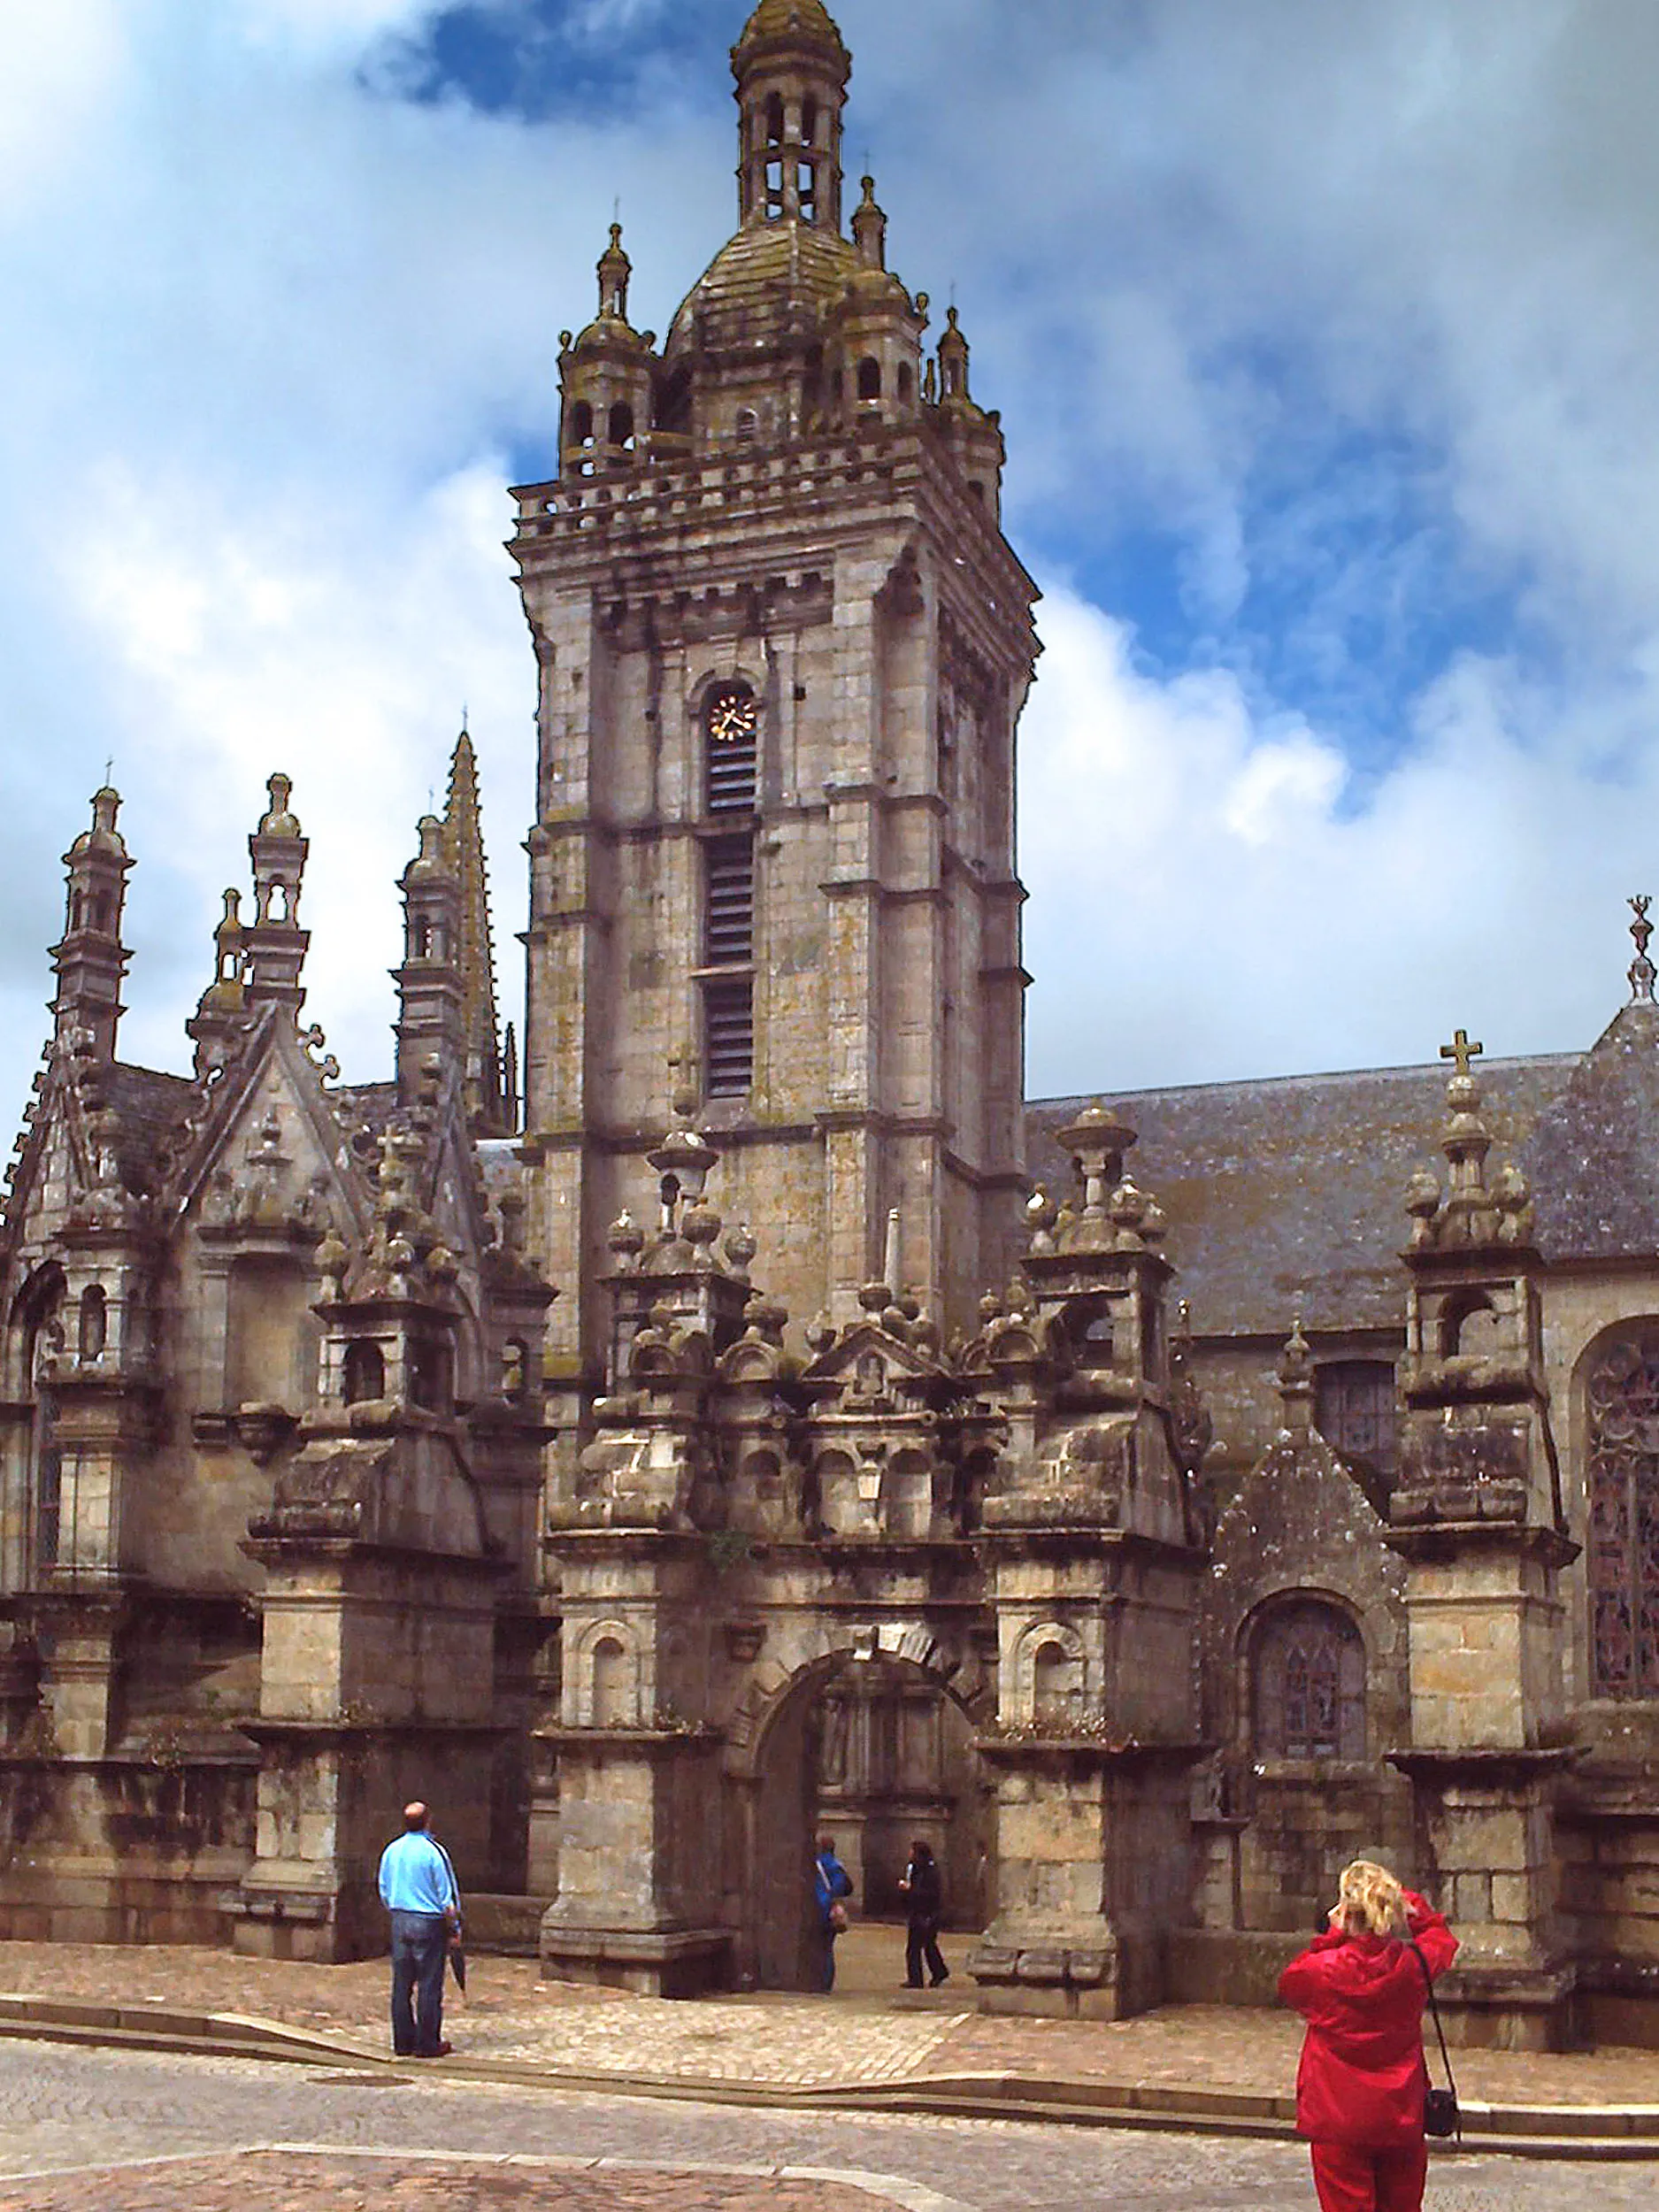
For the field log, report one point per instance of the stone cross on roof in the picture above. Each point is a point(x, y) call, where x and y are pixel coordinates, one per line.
point(1461, 1050)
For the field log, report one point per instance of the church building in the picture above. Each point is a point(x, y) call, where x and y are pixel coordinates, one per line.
point(750, 1415)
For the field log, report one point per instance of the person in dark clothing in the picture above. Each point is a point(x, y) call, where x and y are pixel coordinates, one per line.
point(925, 1904)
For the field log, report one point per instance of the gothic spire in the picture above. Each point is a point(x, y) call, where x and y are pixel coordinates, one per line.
point(90, 959)
point(463, 840)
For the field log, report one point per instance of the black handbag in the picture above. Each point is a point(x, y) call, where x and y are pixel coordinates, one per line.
point(1440, 2116)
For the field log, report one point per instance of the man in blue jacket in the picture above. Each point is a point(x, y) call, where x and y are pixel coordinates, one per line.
point(418, 1889)
point(831, 1881)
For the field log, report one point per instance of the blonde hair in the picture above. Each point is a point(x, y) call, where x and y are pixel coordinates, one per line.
point(1369, 1901)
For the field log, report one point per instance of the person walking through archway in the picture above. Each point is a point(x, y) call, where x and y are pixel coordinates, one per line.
point(924, 1907)
point(1361, 1988)
point(831, 1883)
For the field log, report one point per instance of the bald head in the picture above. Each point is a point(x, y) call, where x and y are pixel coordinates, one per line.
point(414, 1817)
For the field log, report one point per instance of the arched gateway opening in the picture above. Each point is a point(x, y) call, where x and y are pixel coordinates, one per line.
point(872, 1750)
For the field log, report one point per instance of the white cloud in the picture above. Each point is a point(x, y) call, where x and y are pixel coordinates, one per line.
point(60, 62)
point(1204, 904)
point(278, 331)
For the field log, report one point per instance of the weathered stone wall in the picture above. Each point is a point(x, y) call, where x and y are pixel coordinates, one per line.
point(127, 1850)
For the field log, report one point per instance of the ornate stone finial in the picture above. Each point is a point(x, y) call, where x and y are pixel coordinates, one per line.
point(627, 1241)
point(1423, 1203)
point(1295, 1378)
point(277, 820)
point(682, 1161)
point(1641, 969)
point(953, 359)
point(1461, 1050)
point(1097, 1141)
point(870, 228)
point(1041, 1216)
point(615, 269)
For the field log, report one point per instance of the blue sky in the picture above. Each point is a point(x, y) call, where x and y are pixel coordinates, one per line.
point(1324, 339)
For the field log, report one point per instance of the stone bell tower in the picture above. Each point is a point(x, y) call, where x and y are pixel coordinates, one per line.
point(783, 647)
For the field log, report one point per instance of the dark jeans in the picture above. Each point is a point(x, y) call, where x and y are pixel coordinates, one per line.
point(420, 1943)
point(921, 1943)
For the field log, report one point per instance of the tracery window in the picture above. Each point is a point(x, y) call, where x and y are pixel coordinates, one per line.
point(1307, 1692)
point(1621, 1397)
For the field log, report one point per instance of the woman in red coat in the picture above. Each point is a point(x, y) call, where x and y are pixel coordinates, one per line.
point(1359, 2089)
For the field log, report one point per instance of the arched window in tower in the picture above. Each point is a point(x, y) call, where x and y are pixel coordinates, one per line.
point(806, 190)
point(1621, 1406)
point(731, 727)
point(907, 380)
point(869, 378)
point(809, 121)
point(730, 724)
point(580, 438)
point(774, 120)
point(1307, 1685)
point(95, 1322)
point(622, 426)
point(364, 1376)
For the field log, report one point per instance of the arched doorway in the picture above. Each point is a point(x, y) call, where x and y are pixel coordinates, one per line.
point(872, 1751)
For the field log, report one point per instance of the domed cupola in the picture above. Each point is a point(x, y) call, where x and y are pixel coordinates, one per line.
point(876, 362)
point(792, 66)
point(605, 377)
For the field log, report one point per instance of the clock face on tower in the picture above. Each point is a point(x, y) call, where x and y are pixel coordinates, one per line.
point(732, 716)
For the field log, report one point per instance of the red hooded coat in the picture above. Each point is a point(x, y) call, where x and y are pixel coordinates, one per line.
point(1361, 2080)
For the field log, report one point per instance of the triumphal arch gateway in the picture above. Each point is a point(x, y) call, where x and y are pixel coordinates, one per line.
point(740, 1410)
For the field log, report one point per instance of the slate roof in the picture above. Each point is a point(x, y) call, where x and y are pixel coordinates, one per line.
point(364, 1106)
point(145, 1103)
point(1294, 1188)
point(1594, 1162)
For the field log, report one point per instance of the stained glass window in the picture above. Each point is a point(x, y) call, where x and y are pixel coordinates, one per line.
point(1623, 1402)
point(1308, 1685)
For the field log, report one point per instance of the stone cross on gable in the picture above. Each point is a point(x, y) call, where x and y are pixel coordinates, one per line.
point(1461, 1050)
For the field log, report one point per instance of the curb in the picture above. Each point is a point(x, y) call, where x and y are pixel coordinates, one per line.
point(1551, 2132)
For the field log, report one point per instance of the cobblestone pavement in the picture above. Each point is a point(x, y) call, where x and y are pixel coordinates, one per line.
point(285, 2181)
point(868, 2031)
point(63, 2105)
